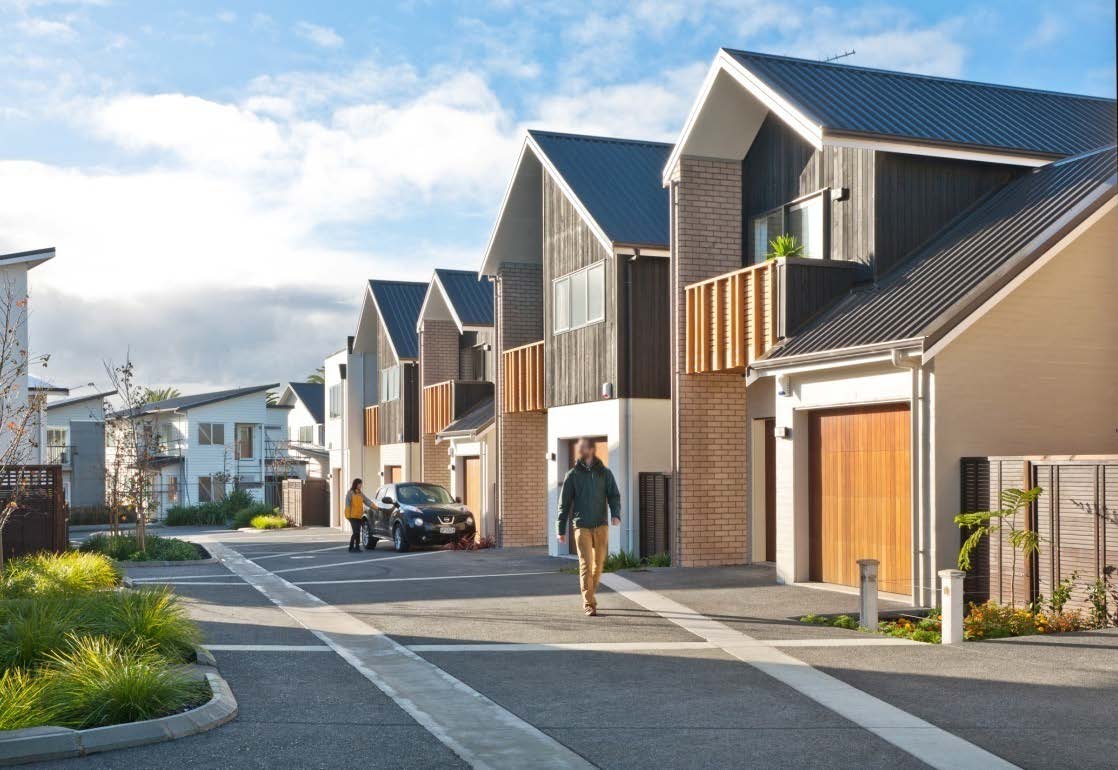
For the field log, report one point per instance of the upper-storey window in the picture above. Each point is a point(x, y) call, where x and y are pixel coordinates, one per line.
point(336, 400)
point(579, 298)
point(211, 434)
point(389, 384)
point(801, 219)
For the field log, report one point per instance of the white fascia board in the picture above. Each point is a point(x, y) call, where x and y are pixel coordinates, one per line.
point(595, 228)
point(724, 62)
point(486, 268)
point(956, 331)
point(831, 359)
point(934, 150)
point(436, 283)
point(29, 258)
point(631, 251)
point(368, 300)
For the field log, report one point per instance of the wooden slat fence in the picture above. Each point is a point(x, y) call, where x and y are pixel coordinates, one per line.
point(523, 379)
point(40, 522)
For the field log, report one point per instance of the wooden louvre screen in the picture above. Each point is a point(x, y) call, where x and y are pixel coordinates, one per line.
point(372, 425)
point(39, 521)
point(732, 319)
point(522, 378)
point(438, 406)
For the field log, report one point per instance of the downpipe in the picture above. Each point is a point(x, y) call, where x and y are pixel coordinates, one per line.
point(922, 593)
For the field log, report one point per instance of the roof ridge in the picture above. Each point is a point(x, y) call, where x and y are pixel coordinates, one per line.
point(388, 281)
point(599, 138)
point(918, 75)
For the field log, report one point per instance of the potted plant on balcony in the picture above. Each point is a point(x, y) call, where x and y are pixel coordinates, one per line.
point(785, 246)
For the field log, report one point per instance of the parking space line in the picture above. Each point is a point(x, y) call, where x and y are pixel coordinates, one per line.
point(445, 706)
point(293, 553)
point(429, 577)
point(928, 743)
point(360, 561)
point(268, 648)
point(188, 583)
point(181, 577)
point(885, 641)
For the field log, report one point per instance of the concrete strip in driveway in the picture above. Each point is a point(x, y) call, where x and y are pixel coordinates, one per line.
point(446, 707)
point(935, 746)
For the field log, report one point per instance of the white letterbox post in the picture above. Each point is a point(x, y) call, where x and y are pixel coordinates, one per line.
point(951, 581)
point(867, 593)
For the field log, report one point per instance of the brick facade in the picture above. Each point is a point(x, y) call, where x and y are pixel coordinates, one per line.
point(522, 438)
point(438, 362)
point(709, 421)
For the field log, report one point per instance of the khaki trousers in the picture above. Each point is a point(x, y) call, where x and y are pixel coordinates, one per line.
point(592, 544)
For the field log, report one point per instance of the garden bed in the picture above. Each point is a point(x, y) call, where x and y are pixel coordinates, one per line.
point(125, 548)
point(237, 511)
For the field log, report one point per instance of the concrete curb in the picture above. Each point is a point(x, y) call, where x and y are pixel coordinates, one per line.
point(36, 744)
point(125, 528)
point(281, 529)
point(181, 563)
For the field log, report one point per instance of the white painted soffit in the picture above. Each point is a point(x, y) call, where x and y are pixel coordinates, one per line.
point(437, 305)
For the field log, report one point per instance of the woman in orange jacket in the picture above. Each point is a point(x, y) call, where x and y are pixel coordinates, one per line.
point(355, 502)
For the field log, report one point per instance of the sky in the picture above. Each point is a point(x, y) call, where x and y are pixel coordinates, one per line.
point(220, 179)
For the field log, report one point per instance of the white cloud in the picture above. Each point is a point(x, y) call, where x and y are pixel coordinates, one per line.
point(45, 28)
point(319, 35)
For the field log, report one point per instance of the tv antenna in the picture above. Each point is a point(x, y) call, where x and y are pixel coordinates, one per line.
point(838, 56)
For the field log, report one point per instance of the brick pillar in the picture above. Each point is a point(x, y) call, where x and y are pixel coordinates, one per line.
point(438, 362)
point(522, 437)
point(709, 426)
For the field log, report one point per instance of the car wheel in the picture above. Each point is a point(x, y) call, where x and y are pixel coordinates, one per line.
point(399, 540)
point(367, 538)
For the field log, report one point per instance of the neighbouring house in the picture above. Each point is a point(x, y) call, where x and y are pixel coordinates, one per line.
point(75, 439)
point(301, 440)
point(456, 369)
point(18, 388)
point(579, 255)
point(197, 448)
point(952, 295)
point(372, 394)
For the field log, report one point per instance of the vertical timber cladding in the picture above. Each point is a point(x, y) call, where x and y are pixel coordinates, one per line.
point(438, 362)
point(710, 425)
point(860, 494)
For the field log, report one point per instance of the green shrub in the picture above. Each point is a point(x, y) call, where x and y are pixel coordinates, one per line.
point(151, 619)
point(99, 681)
point(236, 500)
point(845, 621)
point(53, 574)
point(126, 548)
point(244, 516)
point(659, 560)
point(30, 628)
point(268, 521)
point(23, 701)
point(204, 515)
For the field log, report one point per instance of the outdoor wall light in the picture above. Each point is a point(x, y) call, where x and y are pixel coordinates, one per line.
point(450, 466)
point(550, 456)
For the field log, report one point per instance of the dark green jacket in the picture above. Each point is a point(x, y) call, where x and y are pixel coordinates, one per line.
point(586, 493)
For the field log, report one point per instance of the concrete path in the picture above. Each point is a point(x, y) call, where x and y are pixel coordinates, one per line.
point(451, 659)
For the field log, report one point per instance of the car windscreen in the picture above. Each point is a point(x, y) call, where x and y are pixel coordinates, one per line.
point(423, 494)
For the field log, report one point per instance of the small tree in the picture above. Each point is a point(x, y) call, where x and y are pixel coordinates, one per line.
point(983, 523)
point(19, 408)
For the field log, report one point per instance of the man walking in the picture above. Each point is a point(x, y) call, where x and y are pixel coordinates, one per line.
point(588, 488)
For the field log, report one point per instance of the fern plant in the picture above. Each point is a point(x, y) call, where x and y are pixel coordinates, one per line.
point(785, 246)
point(983, 523)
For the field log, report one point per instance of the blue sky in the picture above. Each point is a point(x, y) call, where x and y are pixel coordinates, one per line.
point(220, 178)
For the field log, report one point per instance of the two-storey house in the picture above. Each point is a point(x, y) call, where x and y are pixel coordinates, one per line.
point(579, 255)
point(456, 367)
point(302, 437)
point(75, 439)
point(944, 288)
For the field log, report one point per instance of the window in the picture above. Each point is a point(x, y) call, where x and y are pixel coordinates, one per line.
point(801, 219)
point(173, 490)
point(211, 434)
point(211, 489)
point(244, 442)
point(306, 434)
point(580, 298)
point(389, 384)
point(336, 400)
point(58, 453)
point(478, 354)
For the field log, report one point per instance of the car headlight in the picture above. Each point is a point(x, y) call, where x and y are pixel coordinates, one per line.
point(417, 521)
point(469, 521)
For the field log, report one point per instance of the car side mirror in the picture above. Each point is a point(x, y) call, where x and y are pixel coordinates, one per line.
point(388, 501)
point(458, 499)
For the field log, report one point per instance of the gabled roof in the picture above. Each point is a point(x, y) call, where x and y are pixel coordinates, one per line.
point(616, 180)
point(78, 399)
point(471, 299)
point(398, 304)
point(473, 422)
point(199, 399)
point(44, 386)
point(830, 103)
point(30, 258)
point(948, 278)
point(313, 396)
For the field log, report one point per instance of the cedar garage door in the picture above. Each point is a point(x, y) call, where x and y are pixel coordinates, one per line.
point(860, 495)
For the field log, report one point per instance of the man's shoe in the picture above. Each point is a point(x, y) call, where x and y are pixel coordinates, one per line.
point(591, 612)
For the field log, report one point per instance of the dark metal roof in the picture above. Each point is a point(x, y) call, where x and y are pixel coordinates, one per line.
point(46, 253)
point(858, 100)
point(961, 267)
point(399, 303)
point(200, 399)
point(472, 422)
point(313, 396)
point(617, 180)
point(78, 399)
point(472, 298)
point(35, 382)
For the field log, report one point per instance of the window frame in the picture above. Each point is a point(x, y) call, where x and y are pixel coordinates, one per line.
point(237, 428)
point(334, 397)
point(785, 209)
point(388, 384)
point(566, 279)
point(209, 426)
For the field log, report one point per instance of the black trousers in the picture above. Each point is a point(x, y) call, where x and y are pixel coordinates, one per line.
point(355, 538)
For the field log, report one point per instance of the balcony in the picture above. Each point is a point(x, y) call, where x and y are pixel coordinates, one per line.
point(444, 402)
point(372, 425)
point(736, 318)
point(522, 383)
point(58, 454)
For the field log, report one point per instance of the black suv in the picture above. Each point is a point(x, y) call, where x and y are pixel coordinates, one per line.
point(415, 515)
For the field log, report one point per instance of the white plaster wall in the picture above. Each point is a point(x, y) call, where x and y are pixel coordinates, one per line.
point(484, 447)
point(403, 454)
point(648, 449)
point(760, 404)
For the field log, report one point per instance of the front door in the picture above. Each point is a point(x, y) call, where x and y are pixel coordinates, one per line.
point(471, 486)
point(601, 451)
point(860, 493)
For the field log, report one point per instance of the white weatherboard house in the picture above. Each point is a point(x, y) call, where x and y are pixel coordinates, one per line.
point(75, 439)
point(302, 440)
point(14, 377)
point(209, 444)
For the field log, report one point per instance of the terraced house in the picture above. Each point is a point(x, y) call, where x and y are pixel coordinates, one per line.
point(579, 255)
point(944, 289)
point(456, 366)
